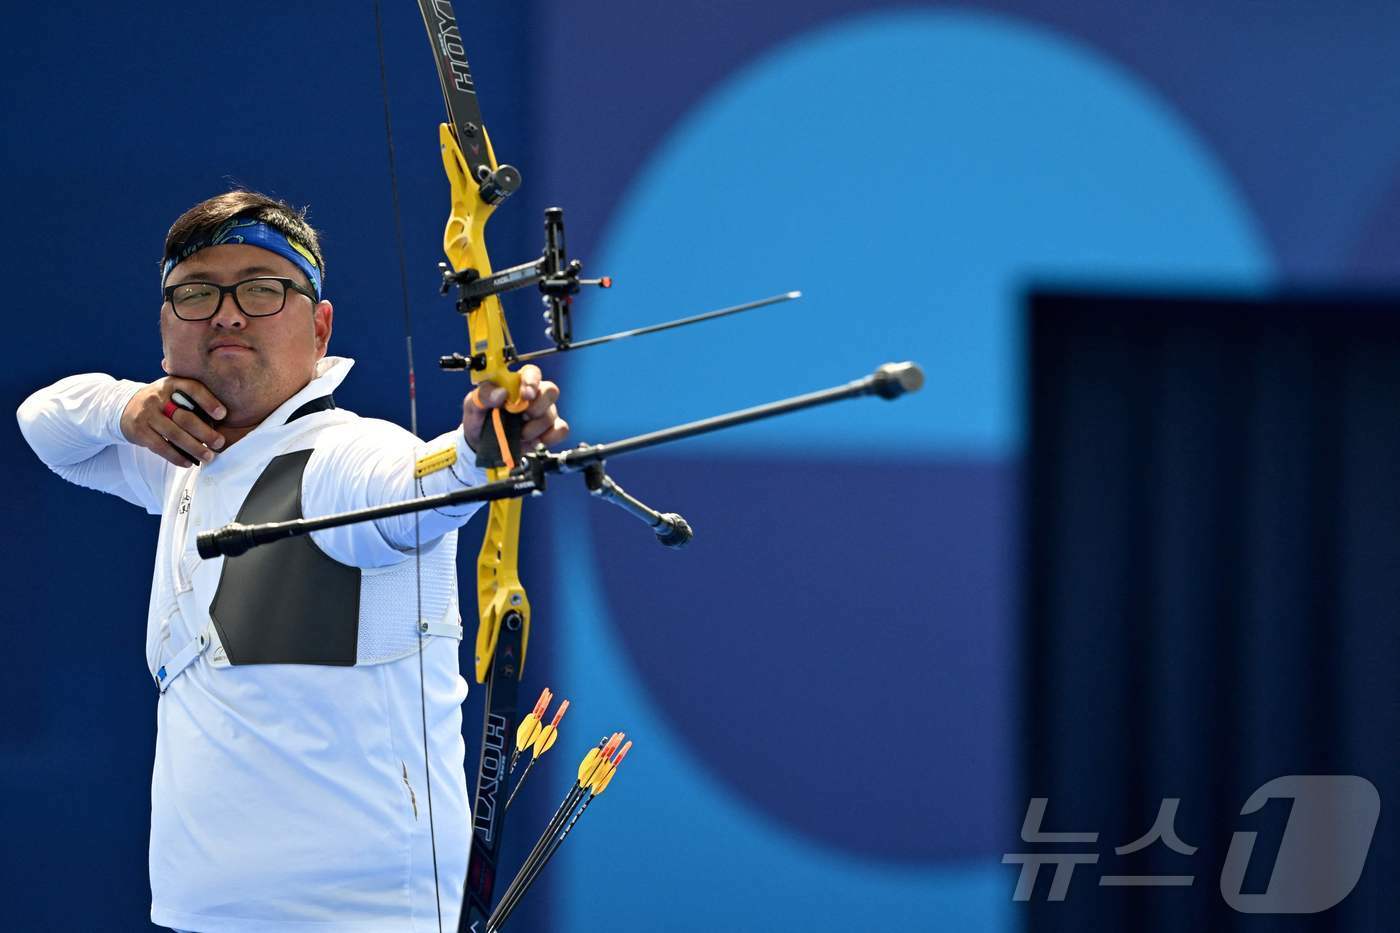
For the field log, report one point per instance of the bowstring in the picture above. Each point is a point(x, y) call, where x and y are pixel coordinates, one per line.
point(413, 427)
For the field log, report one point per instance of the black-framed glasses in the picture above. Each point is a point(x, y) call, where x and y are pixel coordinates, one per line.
point(258, 297)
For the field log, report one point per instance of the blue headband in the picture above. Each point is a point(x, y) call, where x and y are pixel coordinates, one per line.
point(252, 232)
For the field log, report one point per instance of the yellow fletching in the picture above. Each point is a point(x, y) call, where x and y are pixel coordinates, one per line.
point(604, 754)
point(587, 778)
point(599, 776)
point(606, 779)
point(526, 733)
point(602, 785)
point(590, 761)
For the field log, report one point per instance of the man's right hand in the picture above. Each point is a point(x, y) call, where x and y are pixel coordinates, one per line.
point(145, 423)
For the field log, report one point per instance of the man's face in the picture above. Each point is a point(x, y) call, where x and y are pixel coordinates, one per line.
point(252, 364)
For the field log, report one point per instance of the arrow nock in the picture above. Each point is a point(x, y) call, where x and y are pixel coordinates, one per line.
point(605, 775)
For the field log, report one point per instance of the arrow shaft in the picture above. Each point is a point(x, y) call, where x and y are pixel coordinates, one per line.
point(560, 817)
point(513, 897)
point(520, 783)
point(657, 328)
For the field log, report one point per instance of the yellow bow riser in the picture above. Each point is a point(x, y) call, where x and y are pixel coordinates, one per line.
point(499, 591)
point(498, 588)
point(464, 243)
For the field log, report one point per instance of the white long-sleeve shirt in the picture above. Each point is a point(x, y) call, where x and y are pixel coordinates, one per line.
point(290, 797)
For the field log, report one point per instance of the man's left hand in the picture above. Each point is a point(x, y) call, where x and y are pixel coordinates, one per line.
point(542, 422)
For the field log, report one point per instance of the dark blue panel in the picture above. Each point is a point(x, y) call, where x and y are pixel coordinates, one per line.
point(1210, 589)
point(834, 643)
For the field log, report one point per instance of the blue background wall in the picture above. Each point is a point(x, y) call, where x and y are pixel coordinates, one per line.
point(822, 688)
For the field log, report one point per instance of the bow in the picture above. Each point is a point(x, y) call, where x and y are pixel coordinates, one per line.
point(478, 184)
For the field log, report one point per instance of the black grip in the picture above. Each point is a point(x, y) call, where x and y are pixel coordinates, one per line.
point(488, 449)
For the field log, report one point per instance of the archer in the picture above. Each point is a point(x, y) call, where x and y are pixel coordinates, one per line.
point(297, 707)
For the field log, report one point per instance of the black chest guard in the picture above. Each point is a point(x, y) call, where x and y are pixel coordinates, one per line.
point(286, 602)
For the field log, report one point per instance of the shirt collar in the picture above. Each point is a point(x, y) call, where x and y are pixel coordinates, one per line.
point(330, 373)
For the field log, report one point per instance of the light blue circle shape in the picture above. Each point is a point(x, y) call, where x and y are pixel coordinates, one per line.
point(913, 174)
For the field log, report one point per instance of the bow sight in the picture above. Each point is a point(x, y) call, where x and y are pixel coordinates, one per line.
point(556, 275)
point(558, 279)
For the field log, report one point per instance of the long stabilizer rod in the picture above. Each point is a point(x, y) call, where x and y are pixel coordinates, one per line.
point(889, 382)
